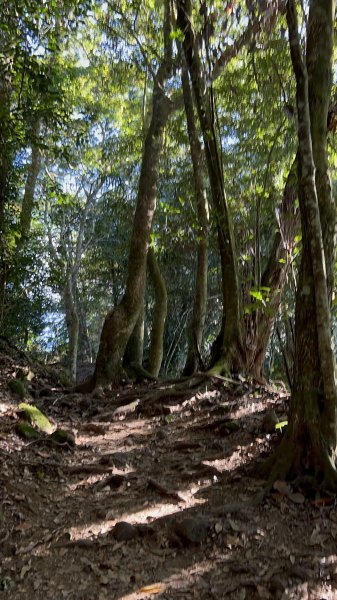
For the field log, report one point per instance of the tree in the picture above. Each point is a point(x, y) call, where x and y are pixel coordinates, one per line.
point(120, 321)
point(227, 356)
point(309, 445)
point(196, 326)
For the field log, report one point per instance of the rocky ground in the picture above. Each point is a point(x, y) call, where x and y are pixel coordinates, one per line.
point(153, 495)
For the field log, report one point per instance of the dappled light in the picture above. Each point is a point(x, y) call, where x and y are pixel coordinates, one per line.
point(168, 398)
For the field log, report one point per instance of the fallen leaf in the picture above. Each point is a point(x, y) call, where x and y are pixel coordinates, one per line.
point(25, 569)
point(156, 588)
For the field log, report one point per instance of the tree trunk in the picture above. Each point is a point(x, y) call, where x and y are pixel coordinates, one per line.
point(6, 152)
point(72, 322)
point(259, 324)
point(120, 321)
point(196, 326)
point(29, 195)
point(133, 354)
point(309, 446)
point(159, 314)
point(227, 356)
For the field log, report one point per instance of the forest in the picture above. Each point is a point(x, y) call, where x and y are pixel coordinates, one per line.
point(168, 184)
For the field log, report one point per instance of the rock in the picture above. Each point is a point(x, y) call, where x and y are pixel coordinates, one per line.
point(113, 482)
point(26, 431)
point(63, 437)
point(18, 387)
point(270, 419)
point(192, 530)
point(35, 417)
point(124, 531)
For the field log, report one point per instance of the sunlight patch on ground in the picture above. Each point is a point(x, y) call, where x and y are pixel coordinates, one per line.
point(144, 516)
point(180, 581)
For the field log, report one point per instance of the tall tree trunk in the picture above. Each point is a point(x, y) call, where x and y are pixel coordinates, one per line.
point(120, 321)
point(6, 157)
point(196, 326)
point(29, 195)
point(227, 356)
point(259, 324)
point(309, 446)
point(159, 314)
point(72, 322)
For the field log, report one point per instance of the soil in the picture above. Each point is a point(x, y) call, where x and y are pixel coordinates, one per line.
point(157, 498)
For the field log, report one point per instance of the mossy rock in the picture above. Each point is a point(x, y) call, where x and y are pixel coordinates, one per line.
point(26, 431)
point(35, 417)
point(63, 437)
point(18, 387)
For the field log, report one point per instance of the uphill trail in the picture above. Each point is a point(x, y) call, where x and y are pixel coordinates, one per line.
point(154, 496)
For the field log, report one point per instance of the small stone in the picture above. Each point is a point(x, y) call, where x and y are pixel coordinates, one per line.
point(192, 530)
point(63, 437)
point(124, 531)
point(270, 419)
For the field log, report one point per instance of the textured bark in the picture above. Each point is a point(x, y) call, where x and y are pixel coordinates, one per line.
point(159, 314)
point(309, 446)
point(6, 152)
point(227, 355)
point(196, 326)
point(72, 321)
point(259, 325)
point(133, 354)
point(319, 67)
point(120, 322)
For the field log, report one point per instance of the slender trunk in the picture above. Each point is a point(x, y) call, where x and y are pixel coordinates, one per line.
point(72, 322)
point(159, 314)
point(120, 322)
point(6, 152)
point(196, 326)
point(29, 195)
point(228, 348)
point(259, 324)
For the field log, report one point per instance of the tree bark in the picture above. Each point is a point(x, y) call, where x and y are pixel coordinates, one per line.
point(259, 325)
point(228, 350)
point(134, 350)
point(309, 445)
point(6, 152)
point(72, 321)
point(196, 326)
point(159, 314)
point(120, 321)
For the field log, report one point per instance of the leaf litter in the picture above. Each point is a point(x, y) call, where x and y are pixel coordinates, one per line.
point(155, 501)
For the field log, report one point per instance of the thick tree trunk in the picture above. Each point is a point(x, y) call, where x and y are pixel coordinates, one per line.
point(196, 326)
point(309, 446)
point(159, 314)
point(120, 322)
point(228, 348)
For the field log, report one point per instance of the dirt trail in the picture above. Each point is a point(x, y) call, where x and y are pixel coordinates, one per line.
point(162, 470)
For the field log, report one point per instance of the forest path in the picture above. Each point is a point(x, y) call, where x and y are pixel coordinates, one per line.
point(132, 510)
